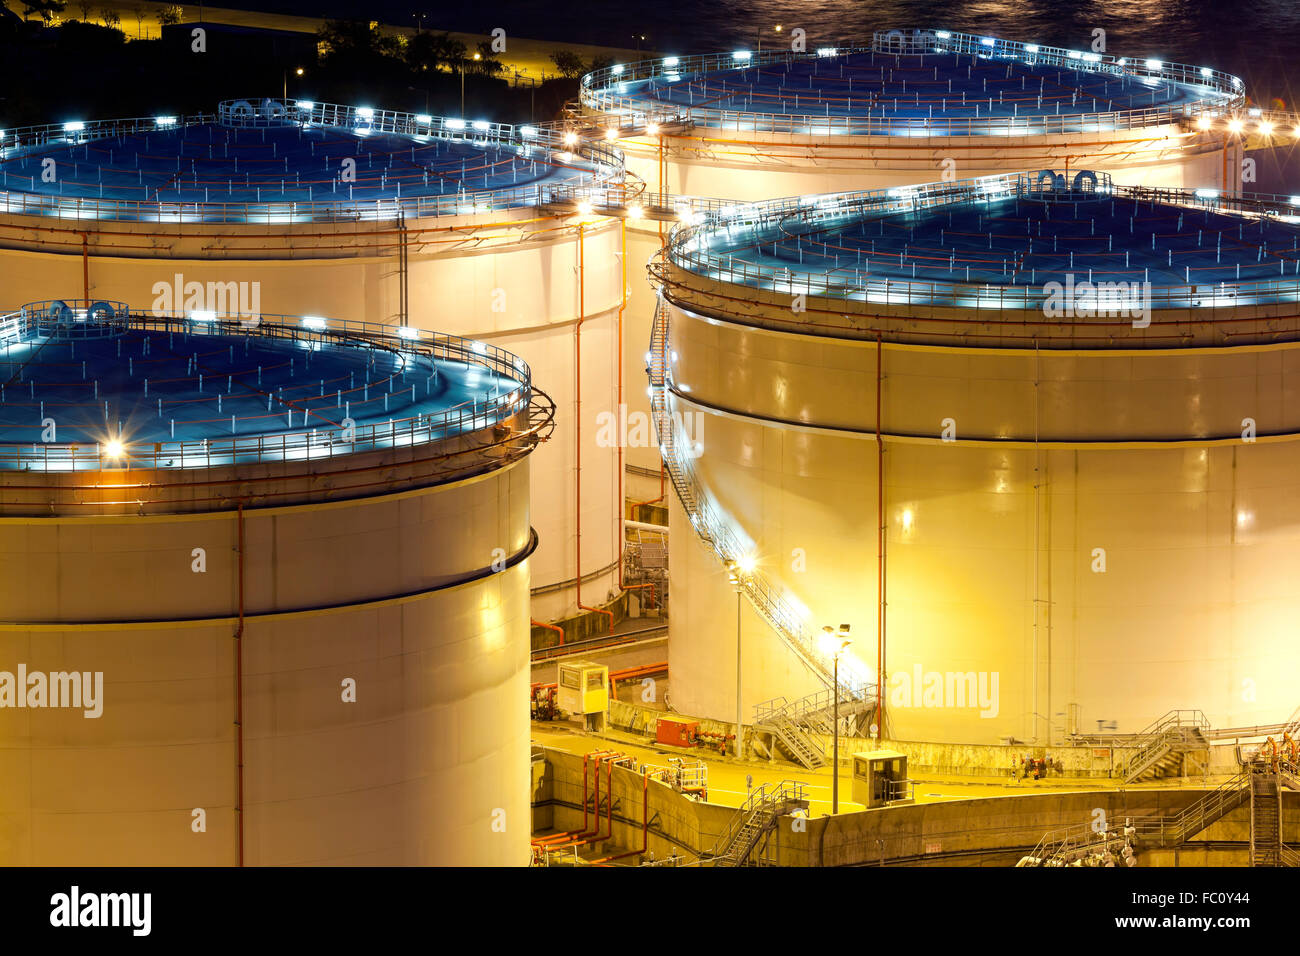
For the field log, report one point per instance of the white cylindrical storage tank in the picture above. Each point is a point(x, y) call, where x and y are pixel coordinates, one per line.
point(913, 107)
point(1083, 456)
point(919, 106)
point(266, 591)
point(276, 206)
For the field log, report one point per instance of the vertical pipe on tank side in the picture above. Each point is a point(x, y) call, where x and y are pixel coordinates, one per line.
point(880, 555)
point(620, 503)
point(1037, 606)
point(85, 266)
point(239, 692)
point(577, 420)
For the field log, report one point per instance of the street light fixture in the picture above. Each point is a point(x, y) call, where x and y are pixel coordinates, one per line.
point(737, 572)
point(836, 643)
point(297, 72)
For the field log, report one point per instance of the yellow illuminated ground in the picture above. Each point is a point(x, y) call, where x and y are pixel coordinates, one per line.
point(727, 783)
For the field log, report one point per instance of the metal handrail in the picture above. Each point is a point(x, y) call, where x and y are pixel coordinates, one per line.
point(689, 245)
point(605, 90)
point(543, 141)
point(718, 531)
point(305, 444)
point(769, 794)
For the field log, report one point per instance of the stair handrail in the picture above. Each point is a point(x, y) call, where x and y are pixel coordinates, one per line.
point(709, 523)
point(765, 795)
point(1177, 828)
point(1174, 726)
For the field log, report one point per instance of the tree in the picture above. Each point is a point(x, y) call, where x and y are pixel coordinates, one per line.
point(354, 39)
point(45, 9)
point(570, 64)
point(86, 8)
point(110, 17)
point(170, 15)
point(431, 51)
point(486, 64)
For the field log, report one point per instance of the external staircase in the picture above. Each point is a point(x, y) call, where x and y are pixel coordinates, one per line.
point(790, 721)
point(754, 822)
point(1161, 747)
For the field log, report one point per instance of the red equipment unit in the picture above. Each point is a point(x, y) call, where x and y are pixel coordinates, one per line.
point(677, 733)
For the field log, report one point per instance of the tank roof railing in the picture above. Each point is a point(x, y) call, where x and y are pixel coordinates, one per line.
point(688, 244)
point(307, 443)
point(598, 92)
point(917, 42)
point(602, 185)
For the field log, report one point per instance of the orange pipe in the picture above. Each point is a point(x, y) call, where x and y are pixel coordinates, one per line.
point(585, 837)
point(550, 841)
point(645, 823)
point(549, 627)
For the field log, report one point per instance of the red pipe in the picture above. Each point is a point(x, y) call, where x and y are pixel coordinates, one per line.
point(549, 627)
point(585, 837)
point(645, 823)
point(553, 840)
point(552, 837)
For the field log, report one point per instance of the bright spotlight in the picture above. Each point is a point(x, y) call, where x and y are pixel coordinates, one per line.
point(570, 138)
point(584, 207)
point(1203, 123)
point(652, 129)
point(1154, 65)
point(635, 211)
point(113, 448)
point(1234, 125)
point(611, 134)
point(746, 563)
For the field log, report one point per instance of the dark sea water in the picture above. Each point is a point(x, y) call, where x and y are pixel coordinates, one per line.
point(1258, 40)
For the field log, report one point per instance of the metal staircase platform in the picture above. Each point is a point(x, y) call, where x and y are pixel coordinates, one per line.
point(755, 821)
point(1161, 746)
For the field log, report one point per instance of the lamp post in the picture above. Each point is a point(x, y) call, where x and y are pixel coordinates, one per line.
point(837, 644)
point(296, 72)
point(737, 572)
point(477, 56)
